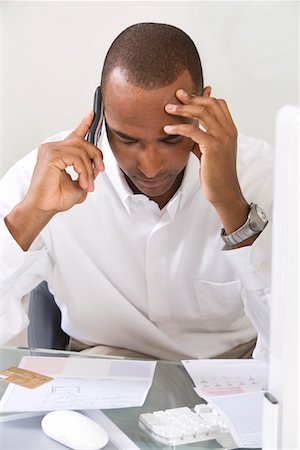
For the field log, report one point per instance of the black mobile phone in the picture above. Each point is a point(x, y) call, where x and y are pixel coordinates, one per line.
point(96, 127)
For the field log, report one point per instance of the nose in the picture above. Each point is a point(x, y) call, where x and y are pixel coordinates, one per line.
point(150, 161)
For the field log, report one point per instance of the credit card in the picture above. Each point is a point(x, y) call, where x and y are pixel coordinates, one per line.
point(22, 377)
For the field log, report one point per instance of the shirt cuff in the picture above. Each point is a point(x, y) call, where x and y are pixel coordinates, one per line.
point(252, 264)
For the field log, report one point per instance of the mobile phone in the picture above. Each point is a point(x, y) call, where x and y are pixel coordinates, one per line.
point(96, 127)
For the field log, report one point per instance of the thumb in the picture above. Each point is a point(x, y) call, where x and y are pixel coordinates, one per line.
point(84, 126)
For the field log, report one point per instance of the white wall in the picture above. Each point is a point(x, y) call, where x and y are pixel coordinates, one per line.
point(53, 54)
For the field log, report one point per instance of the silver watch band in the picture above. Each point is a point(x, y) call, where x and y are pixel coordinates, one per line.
point(254, 224)
point(238, 236)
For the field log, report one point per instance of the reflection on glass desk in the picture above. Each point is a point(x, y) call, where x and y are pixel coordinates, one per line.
point(171, 388)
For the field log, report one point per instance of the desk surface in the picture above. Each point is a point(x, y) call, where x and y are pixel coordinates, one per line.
point(171, 388)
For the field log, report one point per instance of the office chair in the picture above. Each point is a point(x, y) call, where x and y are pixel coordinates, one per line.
point(44, 329)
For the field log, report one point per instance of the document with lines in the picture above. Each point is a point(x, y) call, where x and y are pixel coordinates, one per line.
point(81, 383)
point(227, 376)
point(235, 388)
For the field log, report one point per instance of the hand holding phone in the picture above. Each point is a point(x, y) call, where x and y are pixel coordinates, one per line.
point(51, 189)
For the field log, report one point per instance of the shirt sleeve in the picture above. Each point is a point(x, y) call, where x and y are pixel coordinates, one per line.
point(252, 264)
point(20, 271)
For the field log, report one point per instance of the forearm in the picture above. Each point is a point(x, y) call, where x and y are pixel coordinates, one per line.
point(25, 223)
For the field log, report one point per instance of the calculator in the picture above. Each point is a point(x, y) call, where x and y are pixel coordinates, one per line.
point(178, 426)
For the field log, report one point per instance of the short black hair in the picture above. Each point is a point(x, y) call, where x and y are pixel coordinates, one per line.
point(153, 55)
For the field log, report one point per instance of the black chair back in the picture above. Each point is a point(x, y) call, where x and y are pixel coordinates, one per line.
point(44, 329)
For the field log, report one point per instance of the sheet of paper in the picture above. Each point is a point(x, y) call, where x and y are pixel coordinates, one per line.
point(82, 383)
point(227, 376)
point(243, 414)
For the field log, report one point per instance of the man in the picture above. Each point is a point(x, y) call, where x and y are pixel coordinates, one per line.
point(128, 238)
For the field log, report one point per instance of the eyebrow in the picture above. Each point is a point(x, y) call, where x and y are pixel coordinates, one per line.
point(123, 135)
point(167, 137)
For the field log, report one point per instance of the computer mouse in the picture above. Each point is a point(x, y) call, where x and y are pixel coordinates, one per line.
point(74, 430)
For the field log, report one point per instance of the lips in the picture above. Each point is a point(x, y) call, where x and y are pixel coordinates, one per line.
point(148, 183)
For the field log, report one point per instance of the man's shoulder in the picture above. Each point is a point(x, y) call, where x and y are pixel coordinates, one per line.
point(58, 136)
point(255, 164)
point(247, 142)
point(252, 149)
point(23, 168)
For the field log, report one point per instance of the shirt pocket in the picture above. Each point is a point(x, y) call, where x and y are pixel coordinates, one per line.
point(220, 304)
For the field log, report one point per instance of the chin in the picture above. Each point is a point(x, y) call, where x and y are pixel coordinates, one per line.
point(155, 191)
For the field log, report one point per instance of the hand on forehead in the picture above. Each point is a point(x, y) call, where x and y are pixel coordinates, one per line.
point(130, 106)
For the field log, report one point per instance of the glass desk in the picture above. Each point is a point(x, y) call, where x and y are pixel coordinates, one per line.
point(172, 387)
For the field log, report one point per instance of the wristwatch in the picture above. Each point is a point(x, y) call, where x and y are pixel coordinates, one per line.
point(255, 223)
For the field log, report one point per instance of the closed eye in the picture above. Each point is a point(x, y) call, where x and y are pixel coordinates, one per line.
point(172, 141)
point(164, 141)
point(128, 142)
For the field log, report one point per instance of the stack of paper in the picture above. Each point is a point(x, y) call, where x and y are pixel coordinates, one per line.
point(235, 388)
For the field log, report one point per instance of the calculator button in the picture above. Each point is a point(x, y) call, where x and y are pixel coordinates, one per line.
point(183, 425)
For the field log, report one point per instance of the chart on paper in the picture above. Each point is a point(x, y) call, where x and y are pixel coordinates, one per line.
point(227, 377)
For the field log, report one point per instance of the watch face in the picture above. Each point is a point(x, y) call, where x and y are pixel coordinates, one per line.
point(257, 218)
point(261, 214)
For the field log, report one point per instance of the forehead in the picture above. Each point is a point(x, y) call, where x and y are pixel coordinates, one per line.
point(131, 106)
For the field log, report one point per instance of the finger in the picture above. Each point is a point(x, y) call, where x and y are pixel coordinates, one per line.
point(190, 131)
point(73, 187)
point(212, 104)
point(98, 163)
point(195, 108)
point(185, 96)
point(81, 164)
point(84, 126)
point(89, 170)
point(199, 113)
point(94, 165)
point(226, 111)
point(95, 155)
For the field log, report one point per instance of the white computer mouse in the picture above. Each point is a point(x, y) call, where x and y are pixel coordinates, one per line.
point(74, 430)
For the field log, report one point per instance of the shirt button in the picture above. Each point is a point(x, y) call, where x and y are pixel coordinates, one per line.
point(156, 276)
point(263, 264)
point(250, 269)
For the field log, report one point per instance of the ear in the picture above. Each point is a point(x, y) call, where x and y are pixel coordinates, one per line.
point(207, 91)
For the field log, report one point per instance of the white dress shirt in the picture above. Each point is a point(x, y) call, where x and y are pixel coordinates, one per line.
point(125, 273)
